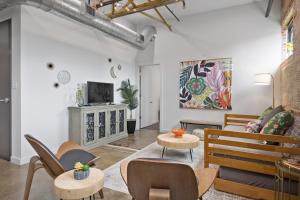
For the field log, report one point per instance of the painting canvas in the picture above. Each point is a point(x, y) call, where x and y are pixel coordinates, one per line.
point(206, 84)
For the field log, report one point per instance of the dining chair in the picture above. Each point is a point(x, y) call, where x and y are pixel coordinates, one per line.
point(158, 179)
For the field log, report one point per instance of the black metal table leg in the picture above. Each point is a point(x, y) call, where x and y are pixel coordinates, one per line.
point(163, 152)
point(191, 150)
point(101, 194)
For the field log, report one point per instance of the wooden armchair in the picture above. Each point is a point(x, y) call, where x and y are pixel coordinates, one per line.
point(245, 155)
point(68, 154)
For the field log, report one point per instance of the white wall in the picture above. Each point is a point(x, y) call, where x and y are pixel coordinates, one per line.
point(15, 16)
point(69, 46)
point(243, 33)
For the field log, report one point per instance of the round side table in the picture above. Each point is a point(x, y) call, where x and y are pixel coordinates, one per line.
point(187, 141)
point(286, 170)
point(66, 187)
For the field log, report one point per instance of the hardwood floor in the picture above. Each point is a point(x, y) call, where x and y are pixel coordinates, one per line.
point(138, 140)
point(13, 177)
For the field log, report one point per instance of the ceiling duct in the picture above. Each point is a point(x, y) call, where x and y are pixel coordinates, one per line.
point(80, 11)
point(148, 34)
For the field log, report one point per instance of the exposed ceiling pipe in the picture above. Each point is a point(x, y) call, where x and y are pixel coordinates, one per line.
point(149, 32)
point(270, 4)
point(78, 10)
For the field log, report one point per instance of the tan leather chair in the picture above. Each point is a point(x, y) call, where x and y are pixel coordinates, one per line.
point(68, 154)
point(149, 179)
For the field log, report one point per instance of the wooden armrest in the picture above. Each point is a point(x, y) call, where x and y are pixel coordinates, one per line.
point(65, 147)
point(159, 194)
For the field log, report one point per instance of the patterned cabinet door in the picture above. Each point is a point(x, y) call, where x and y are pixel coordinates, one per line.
point(102, 124)
point(121, 121)
point(113, 122)
point(89, 127)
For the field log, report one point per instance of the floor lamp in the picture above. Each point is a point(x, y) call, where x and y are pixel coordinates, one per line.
point(266, 79)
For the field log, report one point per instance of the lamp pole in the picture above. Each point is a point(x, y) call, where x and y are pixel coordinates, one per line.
point(273, 89)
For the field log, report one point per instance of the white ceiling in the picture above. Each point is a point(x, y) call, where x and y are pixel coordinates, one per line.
point(192, 7)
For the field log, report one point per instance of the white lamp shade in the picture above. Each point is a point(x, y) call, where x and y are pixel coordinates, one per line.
point(263, 79)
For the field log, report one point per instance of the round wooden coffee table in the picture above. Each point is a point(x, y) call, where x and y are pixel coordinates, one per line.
point(66, 187)
point(187, 141)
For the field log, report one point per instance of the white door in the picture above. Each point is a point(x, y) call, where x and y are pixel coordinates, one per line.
point(150, 95)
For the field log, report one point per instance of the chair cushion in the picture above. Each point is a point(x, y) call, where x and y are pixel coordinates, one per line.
point(69, 158)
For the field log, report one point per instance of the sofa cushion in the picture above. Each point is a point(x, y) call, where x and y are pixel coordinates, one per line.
point(293, 131)
point(265, 113)
point(253, 127)
point(234, 128)
point(279, 124)
point(255, 179)
point(269, 116)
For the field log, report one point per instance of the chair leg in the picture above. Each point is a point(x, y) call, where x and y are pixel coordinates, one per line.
point(101, 194)
point(33, 166)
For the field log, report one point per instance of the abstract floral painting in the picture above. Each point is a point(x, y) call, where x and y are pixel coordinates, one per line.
point(206, 84)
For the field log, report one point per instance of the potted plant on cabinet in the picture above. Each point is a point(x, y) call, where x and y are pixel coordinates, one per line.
point(129, 95)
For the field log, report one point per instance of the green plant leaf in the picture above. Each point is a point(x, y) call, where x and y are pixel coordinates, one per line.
point(129, 94)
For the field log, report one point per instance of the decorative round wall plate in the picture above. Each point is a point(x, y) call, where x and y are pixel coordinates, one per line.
point(119, 67)
point(64, 77)
point(112, 72)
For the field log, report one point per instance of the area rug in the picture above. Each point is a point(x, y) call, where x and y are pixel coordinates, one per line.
point(114, 181)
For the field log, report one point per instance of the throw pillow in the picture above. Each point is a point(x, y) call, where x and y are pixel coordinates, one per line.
point(294, 131)
point(279, 123)
point(265, 113)
point(269, 116)
point(253, 127)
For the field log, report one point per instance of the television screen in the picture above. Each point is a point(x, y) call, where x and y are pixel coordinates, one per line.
point(100, 92)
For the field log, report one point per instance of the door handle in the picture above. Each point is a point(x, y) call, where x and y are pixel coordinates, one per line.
point(5, 100)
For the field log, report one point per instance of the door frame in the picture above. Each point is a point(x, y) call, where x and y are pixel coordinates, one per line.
point(10, 85)
point(140, 94)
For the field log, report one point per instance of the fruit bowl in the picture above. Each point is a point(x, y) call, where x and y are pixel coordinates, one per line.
point(178, 132)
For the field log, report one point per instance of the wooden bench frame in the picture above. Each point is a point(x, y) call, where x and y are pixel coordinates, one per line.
point(230, 149)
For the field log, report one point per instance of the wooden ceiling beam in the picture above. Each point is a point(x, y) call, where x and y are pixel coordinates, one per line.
point(163, 19)
point(142, 7)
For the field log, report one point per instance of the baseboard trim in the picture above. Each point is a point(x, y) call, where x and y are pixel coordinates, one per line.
point(15, 160)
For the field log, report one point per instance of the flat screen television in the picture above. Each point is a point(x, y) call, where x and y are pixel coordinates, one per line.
point(100, 92)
